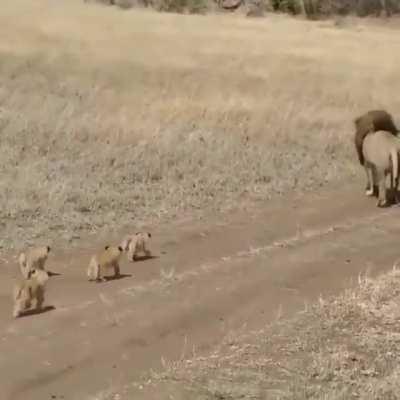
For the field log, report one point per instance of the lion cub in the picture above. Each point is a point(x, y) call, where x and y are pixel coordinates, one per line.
point(136, 244)
point(381, 155)
point(27, 290)
point(33, 258)
point(103, 261)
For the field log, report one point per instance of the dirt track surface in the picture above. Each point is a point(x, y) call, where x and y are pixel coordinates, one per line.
point(209, 277)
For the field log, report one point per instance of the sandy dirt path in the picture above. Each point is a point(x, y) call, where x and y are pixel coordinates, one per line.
point(208, 278)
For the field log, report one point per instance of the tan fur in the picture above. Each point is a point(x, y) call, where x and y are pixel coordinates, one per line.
point(104, 261)
point(34, 258)
point(381, 154)
point(371, 121)
point(28, 290)
point(136, 244)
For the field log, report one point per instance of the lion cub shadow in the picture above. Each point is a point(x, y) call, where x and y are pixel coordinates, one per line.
point(51, 273)
point(116, 278)
point(34, 311)
point(144, 258)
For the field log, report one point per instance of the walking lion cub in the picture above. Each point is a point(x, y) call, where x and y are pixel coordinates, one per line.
point(381, 154)
point(28, 290)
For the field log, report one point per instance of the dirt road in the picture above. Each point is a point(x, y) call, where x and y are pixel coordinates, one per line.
point(208, 278)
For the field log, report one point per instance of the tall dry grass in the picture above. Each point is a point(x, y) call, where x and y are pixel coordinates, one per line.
point(344, 347)
point(111, 117)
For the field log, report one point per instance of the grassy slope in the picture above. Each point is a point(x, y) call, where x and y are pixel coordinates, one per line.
point(117, 117)
point(342, 348)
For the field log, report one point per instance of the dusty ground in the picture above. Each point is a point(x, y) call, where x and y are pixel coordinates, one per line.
point(209, 279)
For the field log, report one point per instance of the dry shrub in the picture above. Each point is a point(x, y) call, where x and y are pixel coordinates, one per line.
point(178, 6)
point(127, 4)
point(318, 8)
point(314, 9)
point(181, 6)
point(255, 10)
point(104, 2)
point(288, 6)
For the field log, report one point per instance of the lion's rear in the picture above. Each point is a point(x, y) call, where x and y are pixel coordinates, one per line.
point(377, 149)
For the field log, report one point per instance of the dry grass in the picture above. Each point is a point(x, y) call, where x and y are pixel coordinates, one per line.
point(342, 348)
point(117, 117)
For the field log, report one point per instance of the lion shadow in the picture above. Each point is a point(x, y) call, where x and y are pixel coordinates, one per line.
point(116, 278)
point(392, 195)
point(144, 258)
point(34, 311)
